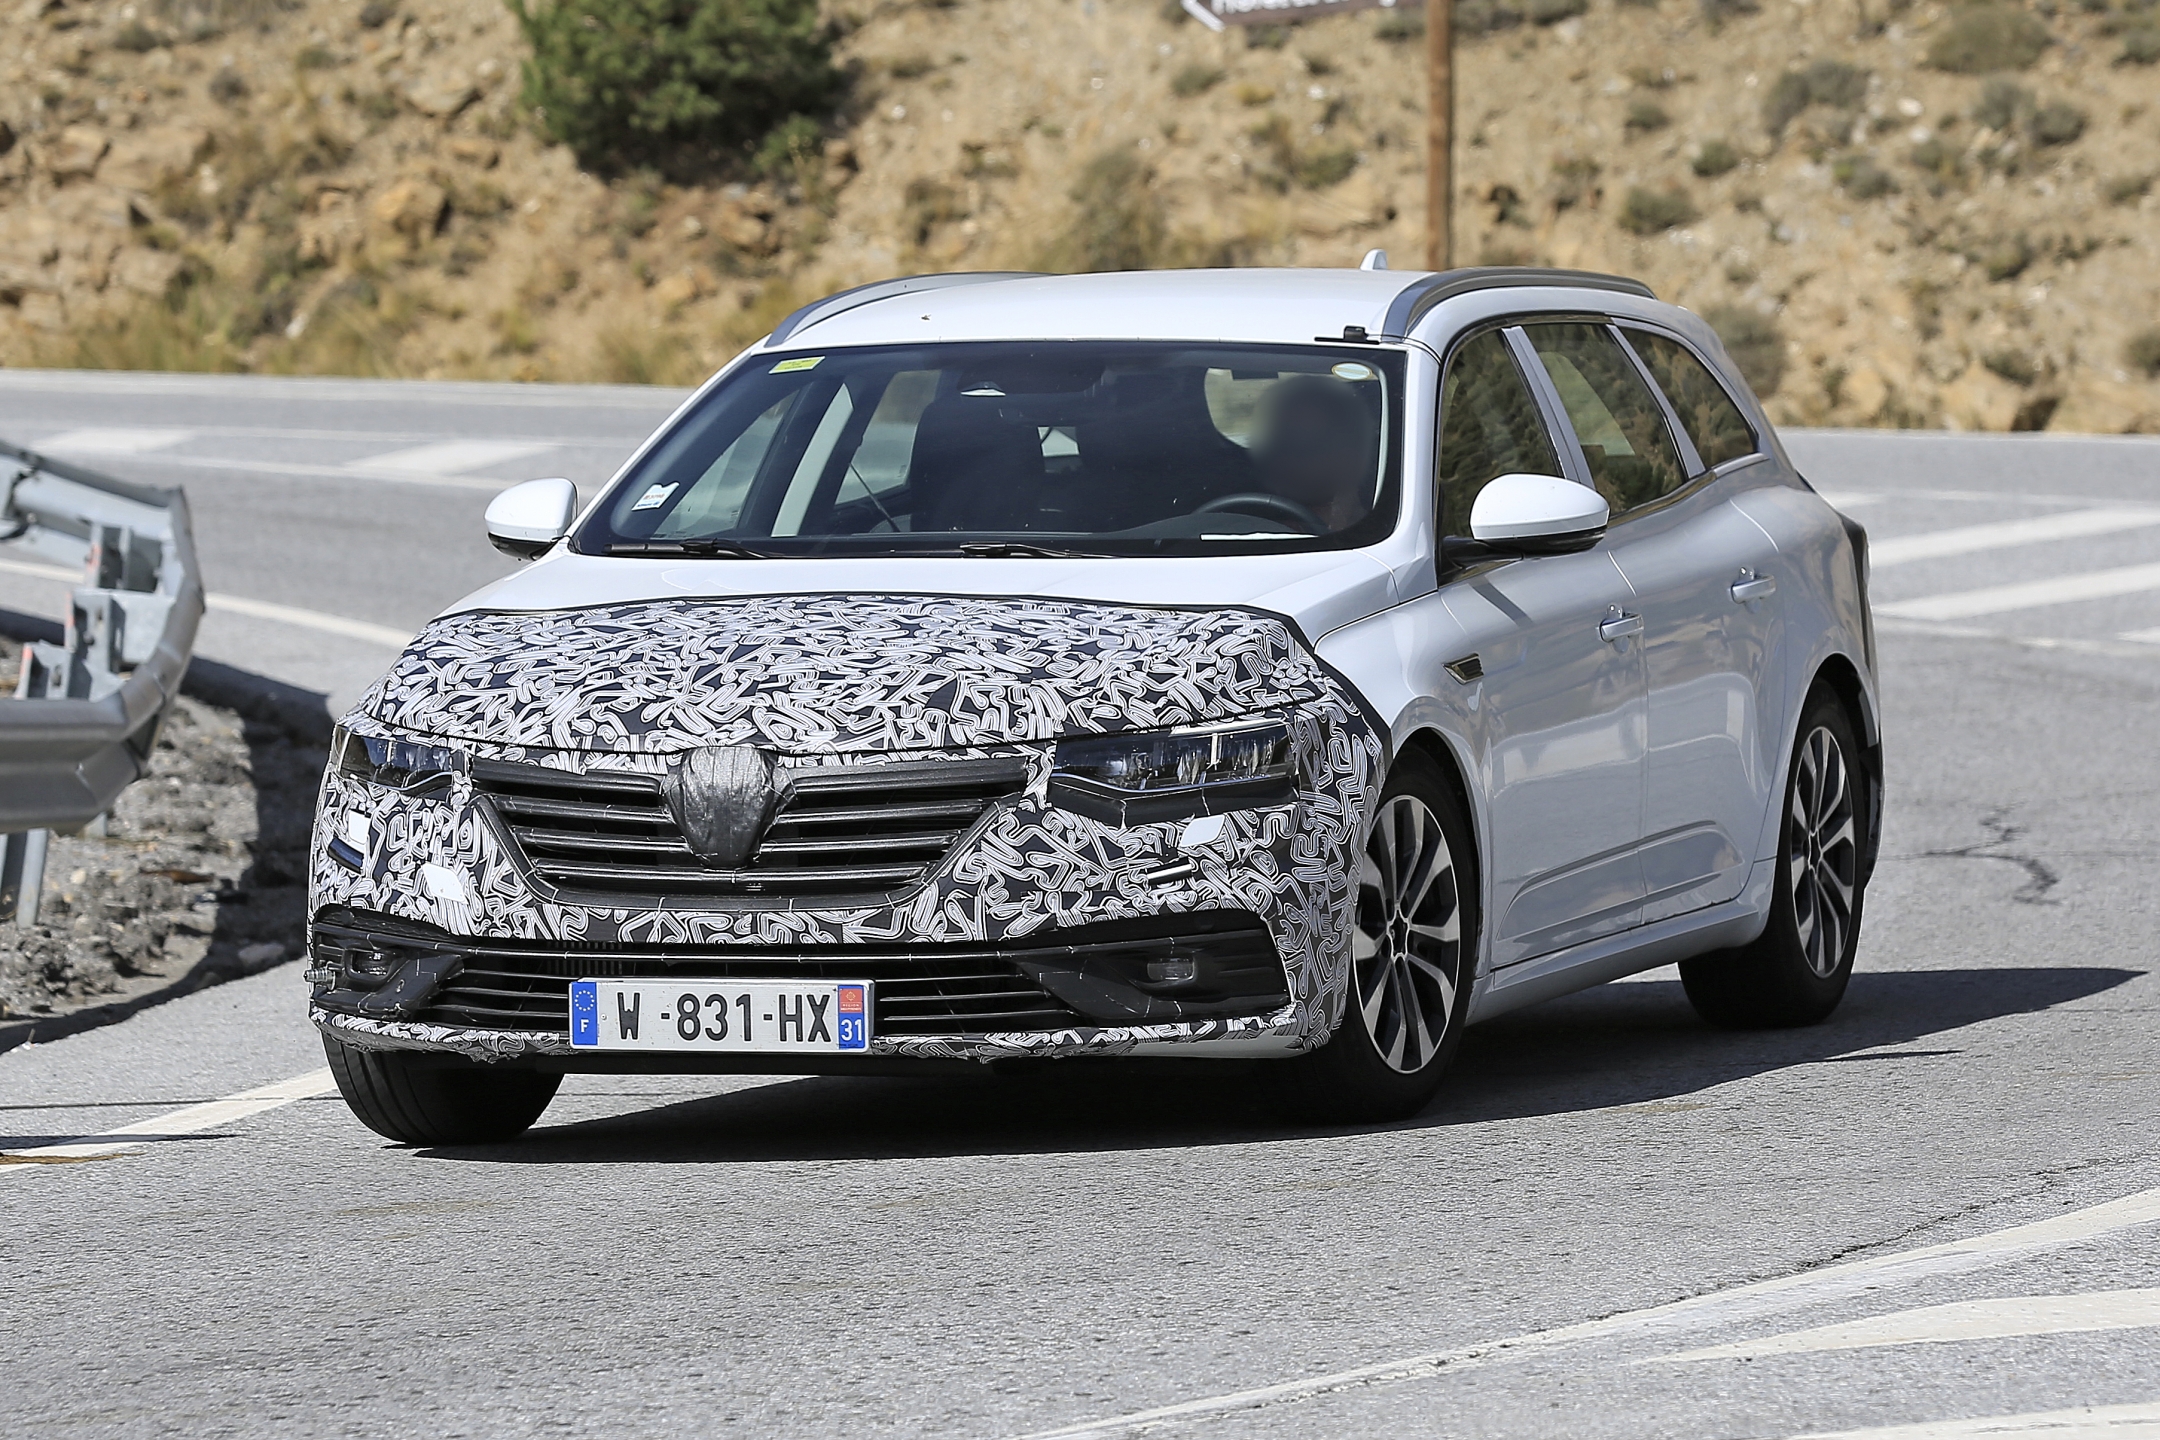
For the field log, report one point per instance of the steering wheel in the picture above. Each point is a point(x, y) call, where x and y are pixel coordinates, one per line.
point(1272, 506)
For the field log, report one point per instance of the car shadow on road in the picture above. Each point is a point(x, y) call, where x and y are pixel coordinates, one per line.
point(1616, 1045)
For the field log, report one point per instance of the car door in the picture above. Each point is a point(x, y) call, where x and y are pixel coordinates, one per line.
point(1560, 683)
point(1704, 576)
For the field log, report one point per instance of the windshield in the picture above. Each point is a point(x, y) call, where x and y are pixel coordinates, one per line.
point(1017, 448)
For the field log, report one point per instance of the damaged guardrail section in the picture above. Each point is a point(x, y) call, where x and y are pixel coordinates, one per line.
point(85, 712)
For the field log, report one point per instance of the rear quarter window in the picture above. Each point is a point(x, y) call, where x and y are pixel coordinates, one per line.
point(1706, 412)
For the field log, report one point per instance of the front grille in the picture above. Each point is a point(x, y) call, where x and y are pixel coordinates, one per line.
point(838, 832)
point(919, 989)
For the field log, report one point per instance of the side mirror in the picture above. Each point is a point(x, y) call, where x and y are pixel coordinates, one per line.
point(526, 519)
point(1530, 515)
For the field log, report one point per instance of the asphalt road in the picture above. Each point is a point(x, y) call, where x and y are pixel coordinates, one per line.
point(1942, 1206)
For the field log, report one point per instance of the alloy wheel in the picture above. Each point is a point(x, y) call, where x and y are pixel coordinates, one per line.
point(1822, 853)
point(1407, 950)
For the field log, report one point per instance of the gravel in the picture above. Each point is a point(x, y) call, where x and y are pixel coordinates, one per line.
point(198, 877)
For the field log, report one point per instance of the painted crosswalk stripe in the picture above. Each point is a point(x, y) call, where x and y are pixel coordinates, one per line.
point(2003, 534)
point(112, 440)
point(2027, 595)
point(446, 457)
point(1995, 1318)
point(240, 605)
point(190, 1120)
point(2136, 1421)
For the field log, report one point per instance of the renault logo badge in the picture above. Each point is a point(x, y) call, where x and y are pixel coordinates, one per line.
point(721, 797)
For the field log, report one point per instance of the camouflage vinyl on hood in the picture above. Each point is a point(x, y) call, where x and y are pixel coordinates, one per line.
point(825, 674)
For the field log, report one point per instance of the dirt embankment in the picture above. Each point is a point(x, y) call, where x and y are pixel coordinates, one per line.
point(1916, 213)
point(198, 877)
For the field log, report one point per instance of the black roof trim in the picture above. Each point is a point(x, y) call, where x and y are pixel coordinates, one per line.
point(1418, 298)
point(876, 290)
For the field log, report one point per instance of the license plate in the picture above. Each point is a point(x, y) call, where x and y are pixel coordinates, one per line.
point(736, 1016)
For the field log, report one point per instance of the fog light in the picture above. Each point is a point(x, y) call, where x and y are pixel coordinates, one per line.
point(1173, 970)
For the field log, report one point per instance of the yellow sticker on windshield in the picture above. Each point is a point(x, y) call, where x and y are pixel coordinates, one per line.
point(1351, 370)
point(800, 362)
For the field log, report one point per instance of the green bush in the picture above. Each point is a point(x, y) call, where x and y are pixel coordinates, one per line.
point(2140, 46)
point(2006, 256)
point(1755, 343)
point(1646, 115)
point(1988, 37)
point(1400, 24)
point(1484, 17)
point(2128, 189)
point(1715, 158)
point(1647, 212)
point(624, 82)
point(2142, 353)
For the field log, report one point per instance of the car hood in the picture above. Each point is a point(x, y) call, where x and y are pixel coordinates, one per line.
point(836, 673)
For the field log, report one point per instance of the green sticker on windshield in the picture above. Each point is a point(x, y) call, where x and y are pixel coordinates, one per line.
point(800, 362)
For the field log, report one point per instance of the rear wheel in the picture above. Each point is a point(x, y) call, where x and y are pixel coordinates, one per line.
point(1796, 972)
point(417, 1098)
point(1413, 950)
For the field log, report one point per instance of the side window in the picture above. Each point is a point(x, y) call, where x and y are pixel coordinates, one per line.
point(1706, 412)
point(1489, 426)
point(1631, 454)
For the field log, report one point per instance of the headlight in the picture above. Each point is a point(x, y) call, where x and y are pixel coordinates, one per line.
point(398, 764)
point(1155, 775)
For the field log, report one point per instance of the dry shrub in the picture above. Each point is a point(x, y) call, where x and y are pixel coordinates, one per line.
point(2056, 123)
point(1860, 177)
point(1119, 222)
point(1647, 212)
point(1826, 82)
point(1755, 343)
point(1644, 116)
point(2013, 365)
point(1984, 38)
point(1715, 158)
point(2141, 352)
point(1195, 79)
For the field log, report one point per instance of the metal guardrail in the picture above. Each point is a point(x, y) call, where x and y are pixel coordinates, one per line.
point(85, 712)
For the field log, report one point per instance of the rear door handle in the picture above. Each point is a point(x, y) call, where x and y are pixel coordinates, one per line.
point(1753, 587)
point(1619, 627)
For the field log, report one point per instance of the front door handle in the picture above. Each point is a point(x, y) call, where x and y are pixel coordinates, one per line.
point(1619, 627)
point(1753, 587)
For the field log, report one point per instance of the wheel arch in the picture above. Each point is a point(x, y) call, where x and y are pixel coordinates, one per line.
point(1841, 678)
point(1441, 750)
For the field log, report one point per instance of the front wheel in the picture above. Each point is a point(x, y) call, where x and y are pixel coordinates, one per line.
point(417, 1098)
point(1413, 954)
point(1796, 972)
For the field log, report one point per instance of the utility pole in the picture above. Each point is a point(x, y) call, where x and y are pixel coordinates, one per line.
point(1439, 133)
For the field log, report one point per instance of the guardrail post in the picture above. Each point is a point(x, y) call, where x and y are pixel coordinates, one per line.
point(22, 874)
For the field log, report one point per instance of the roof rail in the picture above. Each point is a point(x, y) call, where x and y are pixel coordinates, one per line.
point(876, 290)
point(1417, 299)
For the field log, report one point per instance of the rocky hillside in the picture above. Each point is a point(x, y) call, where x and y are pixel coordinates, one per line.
point(1917, 214)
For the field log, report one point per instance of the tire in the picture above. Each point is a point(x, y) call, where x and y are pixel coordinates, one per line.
point(1796, 972)
point(1413, 954)
point(416, 1098)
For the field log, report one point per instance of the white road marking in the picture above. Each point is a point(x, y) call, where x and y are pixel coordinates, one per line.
point(2028, 594)
point(1997, 1318)
point(312, 620)
point(241, 605)
point(1761, 1297)
point(191, 1120)
point(2002, 534)
point(2087, 1422)
point(2142, 637)
point(446, 457)
point(113, 440)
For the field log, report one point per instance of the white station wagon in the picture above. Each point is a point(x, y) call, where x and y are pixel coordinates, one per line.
point(1296, 665)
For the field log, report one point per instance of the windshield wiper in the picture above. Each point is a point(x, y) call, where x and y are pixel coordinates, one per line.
point(1021, 550)
point(705, 549)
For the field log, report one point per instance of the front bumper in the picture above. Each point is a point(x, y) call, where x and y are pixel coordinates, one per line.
point(442, 872)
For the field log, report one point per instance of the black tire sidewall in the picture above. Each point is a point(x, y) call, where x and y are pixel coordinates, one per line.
point(1348, 1077)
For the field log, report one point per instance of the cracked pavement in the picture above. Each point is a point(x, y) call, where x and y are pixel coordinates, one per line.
point(996, 1257)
